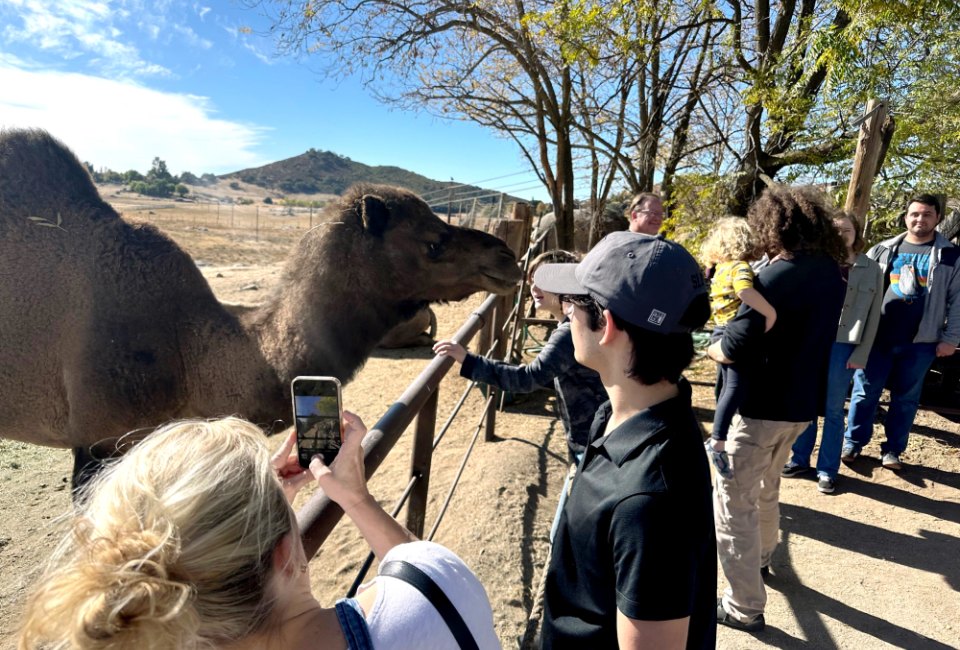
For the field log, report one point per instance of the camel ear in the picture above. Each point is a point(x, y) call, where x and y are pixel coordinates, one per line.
point(374, 213)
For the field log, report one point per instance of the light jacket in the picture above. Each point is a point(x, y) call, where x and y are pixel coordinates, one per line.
point(941, 309)
point(861, 308)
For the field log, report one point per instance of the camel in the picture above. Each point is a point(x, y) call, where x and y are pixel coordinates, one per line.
point(108, 326)
point(419, 331)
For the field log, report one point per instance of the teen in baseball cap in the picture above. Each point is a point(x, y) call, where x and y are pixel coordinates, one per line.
point(632, 303)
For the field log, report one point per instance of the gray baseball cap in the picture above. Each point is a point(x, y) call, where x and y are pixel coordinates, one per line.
point(644, 279)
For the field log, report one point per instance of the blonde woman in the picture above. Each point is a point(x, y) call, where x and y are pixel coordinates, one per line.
point(189, 541)
point(727, 250)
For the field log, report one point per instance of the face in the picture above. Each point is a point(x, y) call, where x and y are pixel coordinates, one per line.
point(545, 300)
point(585, 340)
point(921, 221)
point(647, 216)
point(845, 228)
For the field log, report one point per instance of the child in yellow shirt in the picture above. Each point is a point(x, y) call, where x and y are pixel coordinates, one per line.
point(727, 250)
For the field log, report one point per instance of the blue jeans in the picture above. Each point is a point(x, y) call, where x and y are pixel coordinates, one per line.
point(902, 369)
point(838, 383)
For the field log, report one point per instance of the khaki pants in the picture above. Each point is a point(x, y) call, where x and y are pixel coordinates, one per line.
point(746, 509)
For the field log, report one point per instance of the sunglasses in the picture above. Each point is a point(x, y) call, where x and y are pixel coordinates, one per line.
point(592, 308)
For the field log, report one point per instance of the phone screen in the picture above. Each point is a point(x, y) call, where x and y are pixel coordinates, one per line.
point(317, 414)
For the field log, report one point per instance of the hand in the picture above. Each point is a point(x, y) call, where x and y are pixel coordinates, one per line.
point(344, 480)
point(770, 321)
point(945, 349)
point(719, 458)
point(450, 349)
point(292, 477)
point(715, 352)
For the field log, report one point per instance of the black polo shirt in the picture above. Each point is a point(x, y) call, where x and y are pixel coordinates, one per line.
point(636, 533)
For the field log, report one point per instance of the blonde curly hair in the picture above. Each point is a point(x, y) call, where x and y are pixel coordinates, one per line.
point(171, 547)
point(730, 240)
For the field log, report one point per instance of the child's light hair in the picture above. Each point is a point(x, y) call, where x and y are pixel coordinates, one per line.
point(729, 240)
point(171, 548)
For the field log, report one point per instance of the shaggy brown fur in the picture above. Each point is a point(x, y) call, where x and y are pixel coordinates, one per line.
point(108, 326)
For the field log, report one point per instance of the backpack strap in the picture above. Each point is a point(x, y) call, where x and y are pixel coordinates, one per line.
point(419, 580)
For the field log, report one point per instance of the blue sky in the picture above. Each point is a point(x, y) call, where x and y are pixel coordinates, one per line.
point(123, 81)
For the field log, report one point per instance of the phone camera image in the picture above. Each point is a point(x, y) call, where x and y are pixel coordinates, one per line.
point(316, 405)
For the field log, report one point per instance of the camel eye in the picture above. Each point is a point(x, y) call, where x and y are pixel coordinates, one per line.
point(434, 249)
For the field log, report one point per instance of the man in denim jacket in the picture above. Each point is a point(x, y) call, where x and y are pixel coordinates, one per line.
point(919, 321)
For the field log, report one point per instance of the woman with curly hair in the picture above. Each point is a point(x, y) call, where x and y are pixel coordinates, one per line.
point(788, 368)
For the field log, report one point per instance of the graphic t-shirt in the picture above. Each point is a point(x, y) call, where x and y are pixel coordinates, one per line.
point(729, 279)
point(902, 307)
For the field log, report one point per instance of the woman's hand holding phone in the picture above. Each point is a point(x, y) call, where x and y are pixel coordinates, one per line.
point(344, 480)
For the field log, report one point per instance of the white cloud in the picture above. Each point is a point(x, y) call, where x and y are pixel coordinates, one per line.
point(123, 125)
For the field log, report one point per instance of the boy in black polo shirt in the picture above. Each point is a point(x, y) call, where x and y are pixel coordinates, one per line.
point(634, 561)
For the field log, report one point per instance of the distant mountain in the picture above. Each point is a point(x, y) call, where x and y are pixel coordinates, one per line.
point(324, 172)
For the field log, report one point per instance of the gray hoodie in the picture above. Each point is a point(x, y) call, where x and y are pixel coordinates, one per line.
point(941, 309)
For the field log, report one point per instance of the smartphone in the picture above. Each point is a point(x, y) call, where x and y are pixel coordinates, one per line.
point(317, 414)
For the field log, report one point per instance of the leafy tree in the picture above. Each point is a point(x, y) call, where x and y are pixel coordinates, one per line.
point(158, 171)
point(181, 190)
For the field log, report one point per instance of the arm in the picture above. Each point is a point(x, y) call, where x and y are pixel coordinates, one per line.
point(752, 298)
point(554, 359)
point(345, 483)
point(951, 331)
point(651, 547)
point(636, 634)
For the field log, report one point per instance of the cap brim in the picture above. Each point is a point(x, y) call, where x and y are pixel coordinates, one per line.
point(559, 278)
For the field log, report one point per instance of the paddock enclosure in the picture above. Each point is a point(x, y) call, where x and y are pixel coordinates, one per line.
point(871, 567)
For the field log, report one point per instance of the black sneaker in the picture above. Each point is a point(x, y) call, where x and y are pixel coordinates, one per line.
point(849, 454)
point(791, 471)
point(724, 618)
point(826, 485)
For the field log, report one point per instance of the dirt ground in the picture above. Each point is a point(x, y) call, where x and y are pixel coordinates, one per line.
point(876, 565)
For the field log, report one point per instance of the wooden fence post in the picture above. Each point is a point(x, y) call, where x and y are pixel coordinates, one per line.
point(420, 461)
point(869, 143)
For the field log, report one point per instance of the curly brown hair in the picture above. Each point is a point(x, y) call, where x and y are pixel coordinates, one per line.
point(795, 219)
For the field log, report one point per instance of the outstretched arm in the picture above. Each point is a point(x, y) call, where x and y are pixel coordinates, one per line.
point(344, 481)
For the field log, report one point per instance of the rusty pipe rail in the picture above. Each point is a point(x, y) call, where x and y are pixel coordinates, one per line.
point(317, 518)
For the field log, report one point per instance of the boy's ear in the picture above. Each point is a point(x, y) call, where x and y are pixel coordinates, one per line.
point(610, 329)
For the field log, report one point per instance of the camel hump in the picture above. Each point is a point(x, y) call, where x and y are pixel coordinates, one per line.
point(40, 175)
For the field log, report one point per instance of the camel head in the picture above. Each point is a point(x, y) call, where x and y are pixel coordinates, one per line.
point(421, 258)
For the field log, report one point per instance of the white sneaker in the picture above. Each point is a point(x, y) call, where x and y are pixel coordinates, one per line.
point(891, 460)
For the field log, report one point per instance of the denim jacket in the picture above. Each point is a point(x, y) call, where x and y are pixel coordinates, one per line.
point(861, 308)
point(941, 309)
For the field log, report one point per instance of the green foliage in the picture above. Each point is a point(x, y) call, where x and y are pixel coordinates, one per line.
point(158, 171)
point(181, 190)
point(234, 185)
point(268, 200)
point(160, 188)
point(699, 200)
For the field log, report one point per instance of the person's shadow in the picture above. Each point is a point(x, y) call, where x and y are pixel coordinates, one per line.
point(932, 552)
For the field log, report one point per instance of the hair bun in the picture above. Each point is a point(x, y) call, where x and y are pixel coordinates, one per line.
point(131, 593)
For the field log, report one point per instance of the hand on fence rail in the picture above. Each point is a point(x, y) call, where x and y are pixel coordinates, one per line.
point(450, 349)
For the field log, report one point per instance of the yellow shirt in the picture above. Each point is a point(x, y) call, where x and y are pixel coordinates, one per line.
point(729, 279)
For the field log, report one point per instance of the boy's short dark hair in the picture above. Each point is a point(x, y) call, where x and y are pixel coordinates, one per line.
point(655, 356)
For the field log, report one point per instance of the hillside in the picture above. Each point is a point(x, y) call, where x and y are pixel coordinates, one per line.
point(324, 172)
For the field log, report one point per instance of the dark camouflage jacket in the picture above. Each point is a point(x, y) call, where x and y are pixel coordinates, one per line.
point(579, 390)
